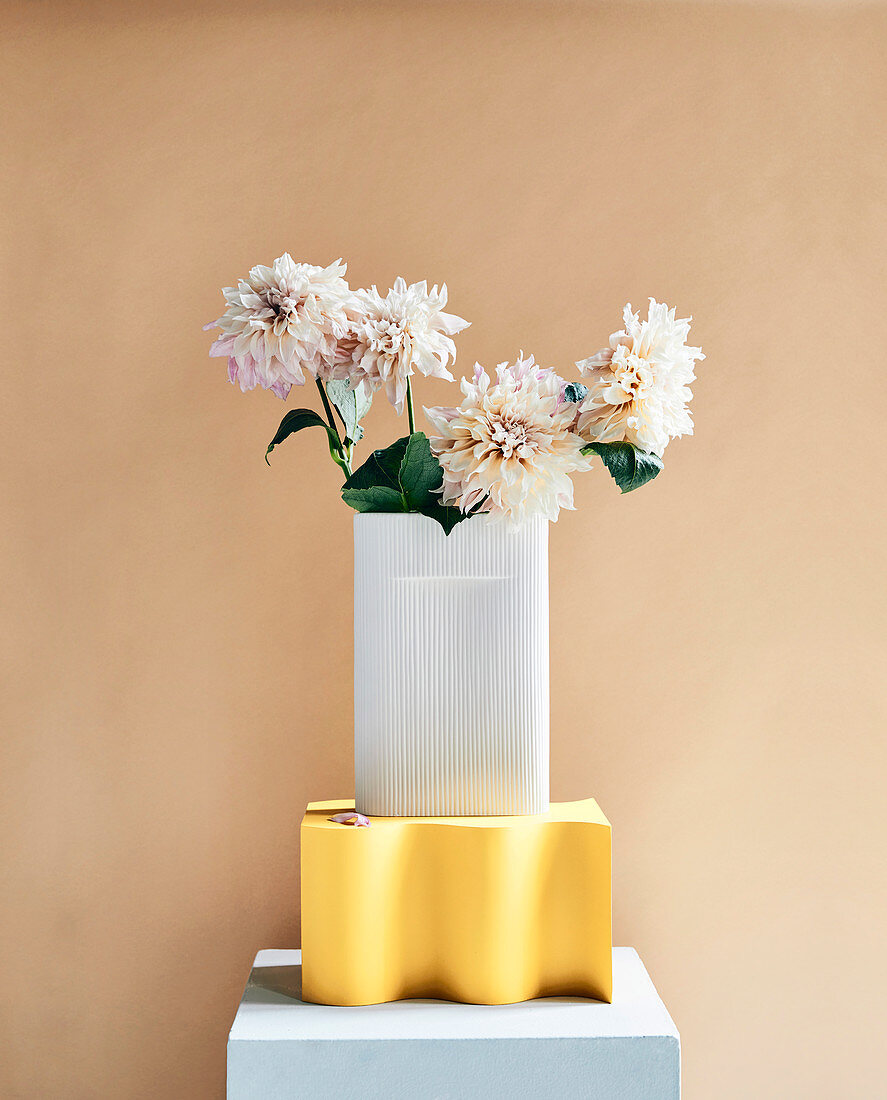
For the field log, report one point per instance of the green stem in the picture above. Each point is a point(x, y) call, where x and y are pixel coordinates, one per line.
point(342, 460)
point(328, 410)
point(410, 406)
point(341, 419)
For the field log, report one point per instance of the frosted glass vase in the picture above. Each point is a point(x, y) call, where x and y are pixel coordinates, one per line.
point(451, 698)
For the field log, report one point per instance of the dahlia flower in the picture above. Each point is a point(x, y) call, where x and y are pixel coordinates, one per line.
point(281, 322)
point(508, 449)
point(404, 333)
point(638, 387)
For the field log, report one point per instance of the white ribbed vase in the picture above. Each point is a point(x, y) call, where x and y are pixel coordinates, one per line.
point(451, 705)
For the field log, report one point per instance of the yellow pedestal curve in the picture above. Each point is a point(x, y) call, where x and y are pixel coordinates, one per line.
point(486, 910)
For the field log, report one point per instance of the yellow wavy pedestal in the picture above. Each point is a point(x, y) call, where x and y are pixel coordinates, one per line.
point(486, 910)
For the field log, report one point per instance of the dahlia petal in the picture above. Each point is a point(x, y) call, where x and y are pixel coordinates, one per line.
point(281, 388)
point(439, 413)
point(222, 347)
point(351, 817)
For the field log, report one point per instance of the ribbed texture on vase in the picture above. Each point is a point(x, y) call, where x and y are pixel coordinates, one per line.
point(451, 704)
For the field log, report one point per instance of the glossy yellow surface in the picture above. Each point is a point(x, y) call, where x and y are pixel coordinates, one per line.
point(487, 910)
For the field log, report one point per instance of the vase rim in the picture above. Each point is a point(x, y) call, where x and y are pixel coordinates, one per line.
point(412, 517)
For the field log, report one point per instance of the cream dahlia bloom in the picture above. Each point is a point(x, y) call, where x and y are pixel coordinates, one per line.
point(508, 448)
point(282, 322)
point(402, 334)
point(639, 386)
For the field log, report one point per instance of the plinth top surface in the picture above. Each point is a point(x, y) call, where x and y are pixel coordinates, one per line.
point(272, 1010)
point(587, 810)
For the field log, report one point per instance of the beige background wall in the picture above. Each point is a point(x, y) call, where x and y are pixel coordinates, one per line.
point(176, 616)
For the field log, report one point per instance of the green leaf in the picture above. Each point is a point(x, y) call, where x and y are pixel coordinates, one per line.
point(445, 515)
point(381, 468)
point(404, 477)
point(295, 421)
point(353, 405)
point(629, 465)
point(420, 474)
point(375, 498)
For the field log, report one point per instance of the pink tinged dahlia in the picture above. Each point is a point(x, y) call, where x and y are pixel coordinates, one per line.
point(639, 386)
point(404, 333)
point(509, 449)
point(282, 322)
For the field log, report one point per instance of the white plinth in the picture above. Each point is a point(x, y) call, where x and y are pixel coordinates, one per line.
point(281, 1047)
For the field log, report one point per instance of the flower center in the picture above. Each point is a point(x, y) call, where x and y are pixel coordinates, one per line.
point(281, 302)
point(634, 375)
point(389, 337)
point(511, 437)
